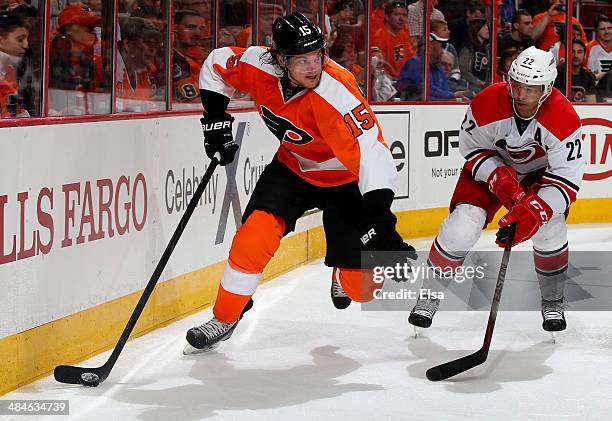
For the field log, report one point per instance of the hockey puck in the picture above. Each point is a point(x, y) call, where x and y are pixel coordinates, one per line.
point(90, 379)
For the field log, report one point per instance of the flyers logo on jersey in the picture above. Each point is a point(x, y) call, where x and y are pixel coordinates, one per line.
point(283, 129)
point(525, 153)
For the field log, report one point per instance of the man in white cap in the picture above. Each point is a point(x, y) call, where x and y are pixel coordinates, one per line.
point(522, 145)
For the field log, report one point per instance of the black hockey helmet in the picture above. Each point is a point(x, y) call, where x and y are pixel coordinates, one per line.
point(295, 34)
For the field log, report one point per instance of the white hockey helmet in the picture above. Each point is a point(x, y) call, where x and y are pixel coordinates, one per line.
point(535, 67)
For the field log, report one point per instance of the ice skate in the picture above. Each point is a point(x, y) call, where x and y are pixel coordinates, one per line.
point(207, 336)
point(553, 317)
point(422, 314)
point(338, 296)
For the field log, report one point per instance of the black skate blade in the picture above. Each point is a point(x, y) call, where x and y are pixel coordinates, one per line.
point(190, 350)
point(419, 321)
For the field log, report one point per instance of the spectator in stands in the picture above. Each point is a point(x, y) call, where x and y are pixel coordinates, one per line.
point(474, 55)
point(154, 56)
point(520, 36)
point(456, 83)
point(582, 79)
point(347, 12)
point(344, 54)
point(558, 48)
point(410, 82)
point(30, 67)
point(203, 8)
point(548, 25)
point(188, 55)
point(347, 18)
point(503, 64)
point(599, 50)
point(440, 28)
point(72, 62)
point(133, 77)
point(604, 88)
point(459, 26)
point(415, 21)
point(13, 45)
point(393, 39)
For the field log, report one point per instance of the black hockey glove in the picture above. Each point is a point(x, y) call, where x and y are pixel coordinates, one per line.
point(218, 137)
point(379, 233)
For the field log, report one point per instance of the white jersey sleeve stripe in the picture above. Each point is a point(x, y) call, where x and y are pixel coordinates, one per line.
point(209, 78)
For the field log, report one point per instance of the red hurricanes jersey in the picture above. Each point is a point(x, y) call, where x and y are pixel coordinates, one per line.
point(552, 142)
point(328, 135)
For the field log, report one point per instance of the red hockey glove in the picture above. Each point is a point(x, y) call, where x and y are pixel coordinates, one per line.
point(504, 184)
point(529, 214)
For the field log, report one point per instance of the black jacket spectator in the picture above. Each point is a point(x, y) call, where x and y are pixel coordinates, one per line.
point(474, 55)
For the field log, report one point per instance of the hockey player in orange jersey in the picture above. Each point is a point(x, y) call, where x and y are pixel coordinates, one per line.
point(332, 156)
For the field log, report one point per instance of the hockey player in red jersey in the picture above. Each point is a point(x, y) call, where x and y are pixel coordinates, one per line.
point(522, 145)
point(332, 156)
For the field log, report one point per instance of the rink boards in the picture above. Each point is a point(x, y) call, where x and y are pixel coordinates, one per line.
point(86, 211)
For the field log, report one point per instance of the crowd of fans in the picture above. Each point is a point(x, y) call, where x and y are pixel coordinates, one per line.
point(84, 48)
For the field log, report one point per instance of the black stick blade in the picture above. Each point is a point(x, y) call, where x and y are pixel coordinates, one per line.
point(78, 375)
point(452, 368)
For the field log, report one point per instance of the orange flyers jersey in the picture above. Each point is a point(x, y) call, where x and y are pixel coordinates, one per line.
point(328, 135)
point(8, 86)
point(550, 34)
point(133, 98)
point(185, 76)
point(396, 49)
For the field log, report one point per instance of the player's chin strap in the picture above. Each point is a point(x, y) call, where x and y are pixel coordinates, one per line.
point(540, 102)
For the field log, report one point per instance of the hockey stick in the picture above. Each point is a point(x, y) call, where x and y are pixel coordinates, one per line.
point(94, 376)
point(452, 368)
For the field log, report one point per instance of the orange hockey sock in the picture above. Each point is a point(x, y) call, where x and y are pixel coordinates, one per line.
point(229, 306)
point(252, 248)
point(358, 284)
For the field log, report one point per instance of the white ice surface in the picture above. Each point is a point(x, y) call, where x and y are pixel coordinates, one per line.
point(295, 357)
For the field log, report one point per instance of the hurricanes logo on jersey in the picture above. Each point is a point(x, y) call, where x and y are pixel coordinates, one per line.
point(525, 153)
point(283, 129)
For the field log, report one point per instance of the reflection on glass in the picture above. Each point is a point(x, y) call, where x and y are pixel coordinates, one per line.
point(141, 69)
point(235, 31)
point(77, 82)
point(15, 59)
point(190, 50)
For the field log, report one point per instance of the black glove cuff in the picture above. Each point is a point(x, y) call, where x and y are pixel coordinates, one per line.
point(214, 103)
